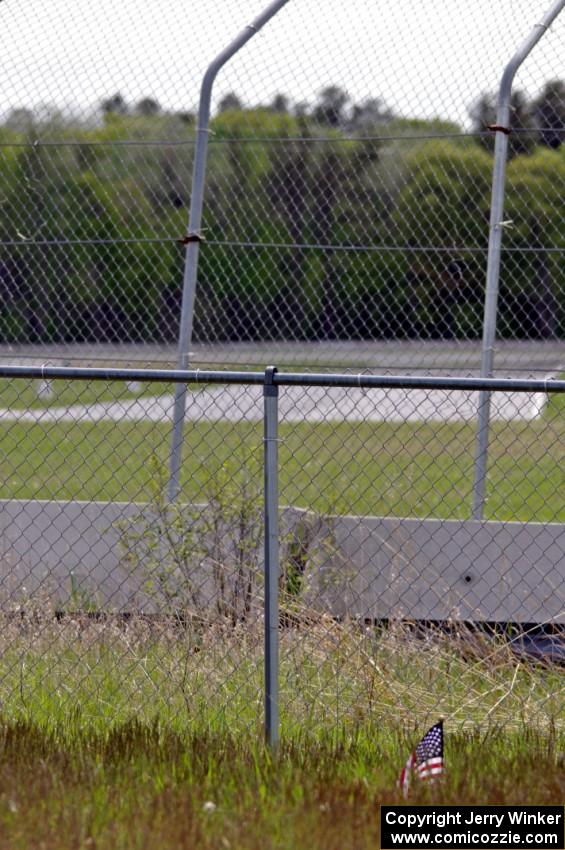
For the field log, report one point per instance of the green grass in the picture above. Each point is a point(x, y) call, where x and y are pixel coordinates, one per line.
point(142, 786)
point(334, 677)
point(121, 736)
point(22, 394)
point(359, 468)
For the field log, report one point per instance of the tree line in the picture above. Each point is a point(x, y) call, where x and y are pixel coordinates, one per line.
point(323, 221)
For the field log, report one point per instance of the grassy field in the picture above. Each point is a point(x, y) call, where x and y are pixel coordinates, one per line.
point(384, 468)
point(140, 735)
point(334, 676)
point(23, 394)
point(140, 786)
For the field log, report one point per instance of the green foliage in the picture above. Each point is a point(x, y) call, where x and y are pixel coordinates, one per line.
point(200, 560)
point(303, 178)
point(161, 545)
point(535, 278)
point(534, 189)
point(205, 560)
point(444, 198)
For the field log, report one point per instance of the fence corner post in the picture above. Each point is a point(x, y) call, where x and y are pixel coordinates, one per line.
point(271, 600)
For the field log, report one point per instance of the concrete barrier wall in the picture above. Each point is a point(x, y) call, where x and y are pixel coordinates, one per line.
point(370, 567)
point(439, 569)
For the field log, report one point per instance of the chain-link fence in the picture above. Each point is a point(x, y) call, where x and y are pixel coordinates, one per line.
point(328, 515)
point(347, 189)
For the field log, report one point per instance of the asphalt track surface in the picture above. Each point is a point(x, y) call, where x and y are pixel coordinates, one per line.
point(297, 404)
point(529, 358)
point(315, 404)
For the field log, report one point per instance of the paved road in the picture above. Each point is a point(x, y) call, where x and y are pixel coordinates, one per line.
point(442, 357)
point(527, 359)
point(298, 404)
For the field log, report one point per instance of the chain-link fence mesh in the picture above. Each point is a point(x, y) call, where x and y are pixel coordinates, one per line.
point(116, 603)
point(347, 192)
point(393, 603)
point(413, 609)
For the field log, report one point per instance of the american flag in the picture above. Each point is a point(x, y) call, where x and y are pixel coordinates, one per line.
point(427, 759)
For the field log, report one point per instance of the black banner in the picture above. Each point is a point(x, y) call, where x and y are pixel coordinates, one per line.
point(472, 827)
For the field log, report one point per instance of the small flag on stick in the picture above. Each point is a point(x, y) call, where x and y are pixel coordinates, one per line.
point(426, 762)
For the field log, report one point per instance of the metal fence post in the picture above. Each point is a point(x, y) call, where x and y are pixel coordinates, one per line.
point(193, 238)
point(502, 129)
point(271, 604)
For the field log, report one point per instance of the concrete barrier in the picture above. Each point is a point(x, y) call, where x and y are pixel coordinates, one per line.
point(369, 567)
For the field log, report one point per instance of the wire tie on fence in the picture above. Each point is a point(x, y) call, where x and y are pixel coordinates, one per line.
point(364, 390)
point(508, 224)
point(499, 128)
point(545, 382)
point(191, 237)
point(196, 376)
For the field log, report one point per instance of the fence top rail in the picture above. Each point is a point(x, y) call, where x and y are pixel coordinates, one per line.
point(304, 379)
point(362, 381)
